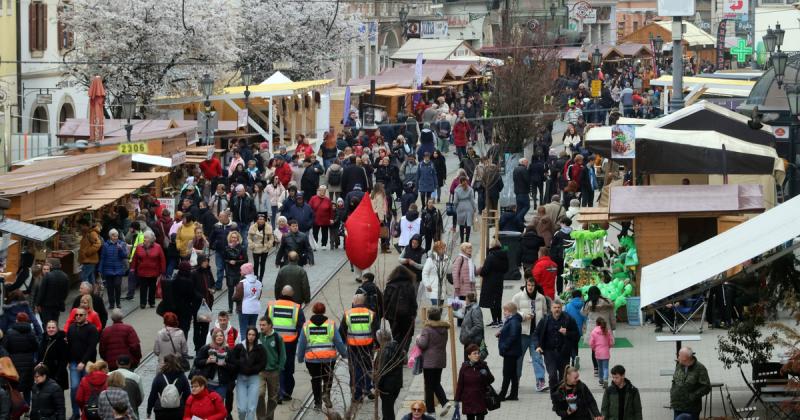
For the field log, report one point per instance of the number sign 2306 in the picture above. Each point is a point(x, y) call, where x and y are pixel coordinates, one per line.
point(129, 148)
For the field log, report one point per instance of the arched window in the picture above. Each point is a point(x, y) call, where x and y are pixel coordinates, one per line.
point(66, 112)
point(40, 123)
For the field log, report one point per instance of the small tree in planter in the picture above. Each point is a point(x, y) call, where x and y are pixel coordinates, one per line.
point(745, 342)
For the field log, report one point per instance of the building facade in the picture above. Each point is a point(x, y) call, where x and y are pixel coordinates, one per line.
point(8, 76)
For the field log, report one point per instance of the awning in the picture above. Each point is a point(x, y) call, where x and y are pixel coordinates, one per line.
point(699, 267)
point(669, 199)
point(166, 162)
point(26, 230)
point(63, 210)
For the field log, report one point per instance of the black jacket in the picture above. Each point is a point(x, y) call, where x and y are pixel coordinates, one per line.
point(97, 305)
point(352, 175)
point(47, 401)
point(160, 382)
point(432, 222)
point(552, 340)
point(309, 182)
point(207, 220)
point(218, 239)
point(20, 342)
point(53, 353)
point(400, 295)
point(536, 171)
point(223, 374)
point(53, 290)
point(441, 170)
point(389, 176)
point(586, 404)
point(522, 181)
point(297, 242)
point(82, 342)
point(374, 301)
point(493, 270)
point(243, 209)
point(390, 362)
point(249, 362)
point(529, 247)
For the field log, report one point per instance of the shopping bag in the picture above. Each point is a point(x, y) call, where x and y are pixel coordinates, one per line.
point(450, 209)
point(9, 371)
point(193, 258)
point(413, 356)
point(492, 399)
point(457, 411)
point(158, 288)
point(458, 306)
point(204, 313)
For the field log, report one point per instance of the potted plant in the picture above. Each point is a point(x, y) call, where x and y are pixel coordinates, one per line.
point(746, 343)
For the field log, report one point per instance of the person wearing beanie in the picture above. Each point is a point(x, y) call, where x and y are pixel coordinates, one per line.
point(318, 346)
point(247, 296)
point(21, 344)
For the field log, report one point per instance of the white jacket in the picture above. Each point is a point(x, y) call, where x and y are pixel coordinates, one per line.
point(430, 275)
point(408, 229)
point(251, 295)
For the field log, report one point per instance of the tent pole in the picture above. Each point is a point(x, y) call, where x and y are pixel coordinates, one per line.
point(633, 173)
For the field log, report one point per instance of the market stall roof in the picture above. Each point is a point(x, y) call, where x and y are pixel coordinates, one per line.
point(698, 152)
point(281, 89)
point(660, 199)
point(699, 267)
point(26, 230)
point(79, 127)
point(41, 173)
point(694, 36)
point(436, 49)
point(728, 87)
point(276, 78)
point(112, 190)
point(705, 115)
point(459, 68)
point(574, 53)
point(633, 49)
point(397, 92)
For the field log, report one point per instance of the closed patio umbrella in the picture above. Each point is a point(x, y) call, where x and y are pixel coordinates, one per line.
point(97, 99)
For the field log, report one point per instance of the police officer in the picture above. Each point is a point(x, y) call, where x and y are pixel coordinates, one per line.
point(318, 346)
point(287, 320)
point(356, 326)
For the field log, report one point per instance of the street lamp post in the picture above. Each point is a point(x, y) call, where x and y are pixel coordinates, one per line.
point(676, 101)
point(658, 45)
point(597, 61)
point(128, 109)
point(247, 78)
point(207, 87)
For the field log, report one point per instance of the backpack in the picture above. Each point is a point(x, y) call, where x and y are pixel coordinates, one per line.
point(18, 405)
point(92, 409)
point(134, 394)
point(169, 397)
point(335, 178)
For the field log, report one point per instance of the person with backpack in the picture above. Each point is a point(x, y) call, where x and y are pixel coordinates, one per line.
point(89, 390)
point(114, 398)
point(374, 298)
point(169, 391)
point(47, 398)
point(333, 177)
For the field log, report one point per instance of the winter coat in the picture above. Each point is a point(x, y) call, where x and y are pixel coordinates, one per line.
point(93, 383)
point(47, 401)
point(462, 284)
point(82, 343)
point(119, 339)
point(440, 165)
point(464, 201)
point(461, 133)
point(149, 261)
point(493, 271)
point(536, 306)
point(160, 382)
point(473, 378)
point(430, 273)
point(207, 405)
point(237, 254)
point(294, 276)
point(509, 343)
point(52, 353)
point(276, 193)
point(218, 239)
point(522, 181)
point(295, 242)
point(573, 309)
point(248, 362)
point(689, 385)
point(427, 179)
point(163, 346)
point(334, 167)
point(243, 209)
point(323, 210)
point(261, 201)
point(381, 206)
point(400, 295)
point(605, 309)
point(113, 396)
point(529, 246)
point(184, 237)
point(22, 346)
point(586, 404)
point(352, 175)
point(113, 258)
point(544, 273)
point(433, 343)
point(549, 337)
point(91, 317)
point(408, 172)
point(472, 325)
point(633, 403)
point(53, 290)
point(10, 312)
point(89, 252)
point(601, 343)
point(260, 241)
point(218, 374)
point(390, 363)
point(432, 223)
point(304, 216)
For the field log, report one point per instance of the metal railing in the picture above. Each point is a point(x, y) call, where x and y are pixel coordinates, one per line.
point(30, 145)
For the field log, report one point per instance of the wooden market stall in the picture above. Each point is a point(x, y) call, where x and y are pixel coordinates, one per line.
point(54, 191)
point(697, 43)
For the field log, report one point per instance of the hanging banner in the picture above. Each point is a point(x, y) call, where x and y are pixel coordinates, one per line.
point(623, 142)
point(241, 120)
point(721, 32)
point(346, 107)
point(418, 79)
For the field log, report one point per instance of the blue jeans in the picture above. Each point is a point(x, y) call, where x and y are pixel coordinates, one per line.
point(529, 344)
point(172, 264)
point(243, 228)
point(523, 205)
point(246, 320)
point(220, 263)
point(274, 219)
point(88, 272)
point(602, 369)
point(75, 377)
point(247, 396)
point(222, 390)
point(361, 358)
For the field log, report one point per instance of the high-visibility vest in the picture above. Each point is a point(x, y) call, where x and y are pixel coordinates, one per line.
point(320, 340)
point(136, 242)
point(284, 315)
point(359, 327)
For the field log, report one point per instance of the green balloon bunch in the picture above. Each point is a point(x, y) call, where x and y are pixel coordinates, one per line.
point(617, 291)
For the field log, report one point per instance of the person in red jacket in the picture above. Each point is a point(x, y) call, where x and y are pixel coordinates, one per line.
point(211, 168)
point(323, 214)
point(461, 134)
point(204, 404)
point(148, 264)
point(303, 146)
point(92, 384)
point(120, 339)
point(544, 273)
point(283, 171)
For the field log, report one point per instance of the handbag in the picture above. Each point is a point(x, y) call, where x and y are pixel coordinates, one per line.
point(384, 232)
point(417, 369)
point(183, 361)
point(450, 208)
point(492, 399)
point(204, 312)
point(484, 350)
point(193, 258)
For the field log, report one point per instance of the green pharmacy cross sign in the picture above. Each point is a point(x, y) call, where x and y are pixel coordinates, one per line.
point(741, 51)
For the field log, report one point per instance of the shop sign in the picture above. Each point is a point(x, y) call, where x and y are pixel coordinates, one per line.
point(44, 99)
point(741, 51)
point(412, 29)
point(597, 86)
point(241, 118)
point(591, 17)
point(623, 142)
point(131, 148)
point(178, 158)
point(781, 132)
point(433, 29)
point(168, 203)
point(731, 8)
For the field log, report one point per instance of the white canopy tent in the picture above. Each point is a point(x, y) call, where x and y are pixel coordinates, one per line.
point(702, 264)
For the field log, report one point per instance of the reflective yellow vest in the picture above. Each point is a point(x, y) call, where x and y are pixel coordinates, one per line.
point(320, 340)
point(284, 315)
point(359, 327)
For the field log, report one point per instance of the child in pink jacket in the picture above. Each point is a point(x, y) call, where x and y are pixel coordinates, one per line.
point(601, 341)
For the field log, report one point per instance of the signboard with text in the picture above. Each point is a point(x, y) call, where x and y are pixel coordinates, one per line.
point(597, 86)
point(731, 8)
point(131, 148)
point(433, 29)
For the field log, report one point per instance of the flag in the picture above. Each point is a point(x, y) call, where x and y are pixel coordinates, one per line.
point(418, 79)
point(346, 110)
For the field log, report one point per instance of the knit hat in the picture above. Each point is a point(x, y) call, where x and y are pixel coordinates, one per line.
point(23, 317)
point(247, 269)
